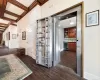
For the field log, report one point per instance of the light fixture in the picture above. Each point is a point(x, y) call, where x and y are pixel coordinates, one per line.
point(71, 23)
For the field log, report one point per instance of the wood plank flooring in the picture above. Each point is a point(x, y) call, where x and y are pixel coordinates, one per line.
point(56, 73)
point(59, 72)
point(68, 59)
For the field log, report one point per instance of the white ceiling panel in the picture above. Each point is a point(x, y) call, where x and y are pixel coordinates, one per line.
point(4, 21)
point(26, 3)
point(12, 8)
point(9, 16)
point(71, 22)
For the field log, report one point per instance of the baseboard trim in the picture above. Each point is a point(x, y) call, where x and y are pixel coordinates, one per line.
point(90, 76)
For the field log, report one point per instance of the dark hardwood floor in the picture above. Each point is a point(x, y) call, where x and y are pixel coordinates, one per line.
point(68, 59)
point(59, 72)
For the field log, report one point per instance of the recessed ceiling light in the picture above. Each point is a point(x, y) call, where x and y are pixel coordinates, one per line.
point(71, 23)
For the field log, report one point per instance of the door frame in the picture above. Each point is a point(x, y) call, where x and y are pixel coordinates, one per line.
point(82, 30)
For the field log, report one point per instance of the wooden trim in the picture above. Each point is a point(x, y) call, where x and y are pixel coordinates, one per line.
point(3, 24)
point(2, 28)
point(29, 9)
point(13, 24)
point(41, 2)
point(16, 3)
point(82, 24)
point(5, 18)
point(33, 5)
point(3, 4)
point(79, 4)
point(23, 14)
point(12, 14)
point(38, 2)
point(1, 31)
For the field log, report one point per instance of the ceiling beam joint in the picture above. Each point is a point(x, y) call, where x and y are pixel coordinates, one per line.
point(16, 3)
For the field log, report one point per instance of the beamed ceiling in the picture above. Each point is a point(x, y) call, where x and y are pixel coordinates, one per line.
point(11, 11)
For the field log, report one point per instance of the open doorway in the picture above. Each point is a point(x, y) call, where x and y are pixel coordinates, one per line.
point(68, 39)
point(67, 36)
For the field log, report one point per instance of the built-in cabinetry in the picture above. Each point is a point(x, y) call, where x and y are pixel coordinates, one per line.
point(70, 38)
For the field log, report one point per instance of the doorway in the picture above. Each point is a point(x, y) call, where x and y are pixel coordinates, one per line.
point(67, 39)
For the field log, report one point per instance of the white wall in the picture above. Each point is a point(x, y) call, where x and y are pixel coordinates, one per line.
point(28, 24)
point(12, 43)
point(91, 34)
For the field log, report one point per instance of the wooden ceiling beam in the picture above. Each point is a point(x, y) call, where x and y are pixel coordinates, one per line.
point(2, 28)
point(41, 2)
point(12, 14)
point(1, 31)
point(3, 24)
point(16, 3)
point(1, 10)
point(33, 5)
point(38, 2)
point(23, 14)
point(14, 24)
point(29, 9)
point(8, 19)
point(3, 4)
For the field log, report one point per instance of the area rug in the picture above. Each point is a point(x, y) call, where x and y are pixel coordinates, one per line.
point(12, 68)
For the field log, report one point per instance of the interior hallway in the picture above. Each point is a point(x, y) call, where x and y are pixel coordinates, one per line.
point(68, 59)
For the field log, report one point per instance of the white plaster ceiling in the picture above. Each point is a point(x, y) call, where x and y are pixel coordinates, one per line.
point(4, 21)
point(67, 23)
point(9, 16)
point(26, 3)
point(12, 8)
